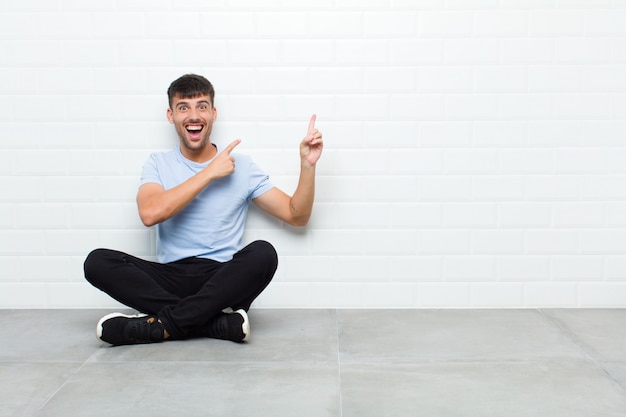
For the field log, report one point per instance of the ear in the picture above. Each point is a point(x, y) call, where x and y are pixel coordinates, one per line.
point(170, 116)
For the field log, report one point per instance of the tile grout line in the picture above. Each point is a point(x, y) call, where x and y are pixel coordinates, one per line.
point(571, 337)
point(339, 364)
point(53, 394)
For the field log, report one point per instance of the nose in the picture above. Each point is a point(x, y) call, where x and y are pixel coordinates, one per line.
point(193, 113)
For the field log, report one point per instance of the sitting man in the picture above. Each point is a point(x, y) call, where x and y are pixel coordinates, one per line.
point(198, 197)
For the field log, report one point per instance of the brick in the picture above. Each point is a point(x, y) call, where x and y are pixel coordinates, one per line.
point(552, 188)
point(582, 50)
point(310, 52)
point(336, 80)
point(389, 242)
point(336, 24)
point(470, 215)
point(410, 52)
point(472, 107)
point(481, 161)
point(443, 79)
point(227, 25)
point(501, 23)
point(578, 268)
point(471, 51)
point(417, 107)
point(45, 268)
point(603, 241)
point(445, 134)
point(389, 24)
point(557, 23)
point(415, 268)
point(381, 80)
point(415, 215)
point(281, 24)
point(547, 133)
point(444, 188)
point(496, 134)
point(551, 295)
point(524, 51)
point(524, 215)
point(498, 188)
point(494, 295)
point(445, 23)
point(259, 52)
point(445, 242)
point(469, 268)
point(66, 25)
point(526, 107)
point(443, 295)
point(552, 242)
point(555, 78)
point(409, 161)
point(524, 268)
point(527, 161)
point(500, 79)
point(42, 216)
point(361, 52)
point(391, 188)
point(497, 242)
point(116, 25)
point(601, 295)
point(605, 22)
point(402, 295)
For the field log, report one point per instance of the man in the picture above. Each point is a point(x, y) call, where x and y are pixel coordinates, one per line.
point(198, 198)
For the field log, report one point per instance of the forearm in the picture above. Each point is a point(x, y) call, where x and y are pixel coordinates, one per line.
point(301, 203)
point(157, 205)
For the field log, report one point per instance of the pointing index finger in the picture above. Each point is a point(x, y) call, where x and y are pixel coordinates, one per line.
point(232, 145)
point(312, 123)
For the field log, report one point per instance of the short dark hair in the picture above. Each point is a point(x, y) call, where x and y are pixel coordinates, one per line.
point(190, 86)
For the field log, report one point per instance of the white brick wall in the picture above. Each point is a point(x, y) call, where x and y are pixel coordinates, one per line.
point(475, 150)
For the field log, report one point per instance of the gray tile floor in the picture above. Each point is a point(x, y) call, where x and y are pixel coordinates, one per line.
point(350, 363)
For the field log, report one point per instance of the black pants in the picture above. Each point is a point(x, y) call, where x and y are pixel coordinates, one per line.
point(186, 294)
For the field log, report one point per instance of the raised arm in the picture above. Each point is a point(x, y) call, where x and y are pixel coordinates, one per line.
point(296, 210)
point(156, 204)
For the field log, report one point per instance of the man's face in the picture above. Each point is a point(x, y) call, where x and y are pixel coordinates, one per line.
point(193, 119)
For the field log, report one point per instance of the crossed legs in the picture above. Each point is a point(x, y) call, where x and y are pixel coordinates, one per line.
point(188, 295)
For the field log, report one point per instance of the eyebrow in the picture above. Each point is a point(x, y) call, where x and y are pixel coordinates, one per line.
point(186, 103)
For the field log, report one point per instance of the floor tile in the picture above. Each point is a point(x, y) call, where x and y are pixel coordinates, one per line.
point(601, 332)
point(572, 389)
point(48, 335)
point(393, 336)
point(141, 389)
point(25, 387)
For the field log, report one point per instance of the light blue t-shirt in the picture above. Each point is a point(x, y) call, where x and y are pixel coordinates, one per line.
point(212, 224)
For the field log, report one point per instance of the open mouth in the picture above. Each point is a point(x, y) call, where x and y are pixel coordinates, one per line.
point(194, 130)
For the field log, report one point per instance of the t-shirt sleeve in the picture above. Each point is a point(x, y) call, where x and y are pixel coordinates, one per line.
point(149, 172)
point(259, 181)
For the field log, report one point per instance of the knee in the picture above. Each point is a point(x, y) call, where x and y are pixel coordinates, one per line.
point(95, 263)
point(266, 251)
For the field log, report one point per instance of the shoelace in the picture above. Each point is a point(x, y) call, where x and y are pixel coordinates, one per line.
point(148, 330)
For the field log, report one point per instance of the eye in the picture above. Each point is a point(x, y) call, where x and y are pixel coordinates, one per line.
point(204, 107)
point(182, 108)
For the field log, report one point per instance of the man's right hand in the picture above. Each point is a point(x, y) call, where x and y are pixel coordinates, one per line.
point(224, 164)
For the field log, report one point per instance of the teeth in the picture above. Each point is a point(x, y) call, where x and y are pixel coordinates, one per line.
point(194, 127)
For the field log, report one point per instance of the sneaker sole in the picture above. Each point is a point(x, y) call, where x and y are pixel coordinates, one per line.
point(110, 316)
point(245, 326)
